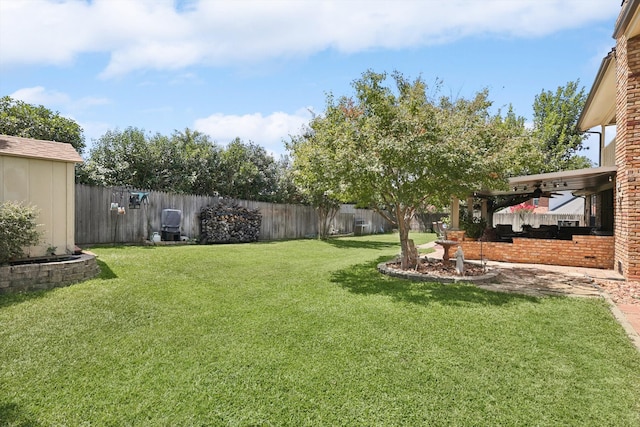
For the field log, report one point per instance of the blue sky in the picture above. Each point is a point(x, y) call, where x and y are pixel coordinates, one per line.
point(254, 68)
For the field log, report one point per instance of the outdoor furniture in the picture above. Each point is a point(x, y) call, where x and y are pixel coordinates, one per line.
point(567, 233)
point(440, 229)
point(543, 232)
point(504, 232)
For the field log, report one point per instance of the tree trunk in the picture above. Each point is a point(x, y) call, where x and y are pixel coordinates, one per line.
point(326, 215)
point(408, 256)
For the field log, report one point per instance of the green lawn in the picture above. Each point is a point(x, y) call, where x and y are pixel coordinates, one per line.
point(304, 333)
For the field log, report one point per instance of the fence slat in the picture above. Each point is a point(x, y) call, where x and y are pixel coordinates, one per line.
point(96, 223)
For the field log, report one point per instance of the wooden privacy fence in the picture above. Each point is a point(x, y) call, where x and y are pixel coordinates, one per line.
point(95, 222)
point(517, 220)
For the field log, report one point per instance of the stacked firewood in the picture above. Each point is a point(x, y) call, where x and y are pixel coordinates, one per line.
point(229, 223)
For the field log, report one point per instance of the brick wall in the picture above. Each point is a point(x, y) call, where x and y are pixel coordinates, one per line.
point(627, 190)
point(582, 251)
point(30, 277)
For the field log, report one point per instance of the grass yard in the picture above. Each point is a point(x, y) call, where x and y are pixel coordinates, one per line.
point(301, 333)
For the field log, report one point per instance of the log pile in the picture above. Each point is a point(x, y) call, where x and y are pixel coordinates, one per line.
point(229, 223)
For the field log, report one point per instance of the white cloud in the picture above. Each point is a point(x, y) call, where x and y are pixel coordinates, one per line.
point(267, 131)
point(66, 106)
point(38, 95)
point(143, 34)
point(52, 99)
point(92, 131)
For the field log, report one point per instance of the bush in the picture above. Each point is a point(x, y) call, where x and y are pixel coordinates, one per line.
point(17, 230)
point(474, 227)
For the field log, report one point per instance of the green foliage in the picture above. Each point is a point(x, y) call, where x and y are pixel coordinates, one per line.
point(555, 119)
point(474, 227)
point(394, 149)
point(163, 338)
point(18, 118)
point(186, 162)
point(17, 230)
point(248, 172)
point(314, 168)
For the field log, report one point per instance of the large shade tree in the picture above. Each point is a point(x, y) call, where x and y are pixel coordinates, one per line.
point(395, 149)
point(17, 118)
point(248, 172)
point(555, 118)
point(314, 167)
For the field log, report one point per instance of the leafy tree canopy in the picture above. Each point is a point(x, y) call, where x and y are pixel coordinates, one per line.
point(186, 162)
point(18, 118)
point(396, 150)
point(248, 172)
point(555, 119)
point(314, 171)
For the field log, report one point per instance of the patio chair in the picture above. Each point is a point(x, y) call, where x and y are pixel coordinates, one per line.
point(439, 229)
point(504, 232)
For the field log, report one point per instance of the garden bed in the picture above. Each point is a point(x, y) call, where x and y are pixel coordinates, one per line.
point(47, 272)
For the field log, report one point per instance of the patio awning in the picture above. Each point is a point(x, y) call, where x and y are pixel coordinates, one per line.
point(579, 182)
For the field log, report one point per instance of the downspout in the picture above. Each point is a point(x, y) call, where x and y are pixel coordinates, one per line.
point(600, 145)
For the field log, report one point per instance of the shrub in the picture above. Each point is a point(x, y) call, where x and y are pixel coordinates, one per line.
point(473, 227)
point(17, 230)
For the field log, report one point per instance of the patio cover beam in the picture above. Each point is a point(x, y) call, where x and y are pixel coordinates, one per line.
point(579, 182)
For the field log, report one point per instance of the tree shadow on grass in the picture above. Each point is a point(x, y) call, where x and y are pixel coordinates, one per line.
point(11, 415)
point(12, 298)
point(364, 279)
point(9, 299)
point(343, 243)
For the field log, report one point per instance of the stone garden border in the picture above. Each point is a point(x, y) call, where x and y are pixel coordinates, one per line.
point(384, 268)
point(49, 275)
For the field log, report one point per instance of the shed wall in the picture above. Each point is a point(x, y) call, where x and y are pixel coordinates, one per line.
point(49, 186)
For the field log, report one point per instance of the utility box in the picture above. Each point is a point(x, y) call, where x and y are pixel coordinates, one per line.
point(361, 227)
point(171, 220)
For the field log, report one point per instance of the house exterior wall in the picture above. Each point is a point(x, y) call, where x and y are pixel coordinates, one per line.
point(627, 190)
point(49, 186)
point(609, 154)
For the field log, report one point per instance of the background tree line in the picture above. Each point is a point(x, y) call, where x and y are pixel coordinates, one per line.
point(190, 162)
point(186, 162)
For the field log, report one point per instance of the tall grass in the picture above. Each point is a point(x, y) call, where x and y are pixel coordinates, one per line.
point(304, 333)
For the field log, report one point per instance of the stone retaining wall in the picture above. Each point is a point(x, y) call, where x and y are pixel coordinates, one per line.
point(30, 277)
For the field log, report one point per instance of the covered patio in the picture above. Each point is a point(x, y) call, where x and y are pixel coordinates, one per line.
point(591, 245)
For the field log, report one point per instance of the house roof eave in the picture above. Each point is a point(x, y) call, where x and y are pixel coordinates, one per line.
point(628, 22)
point(600, 107)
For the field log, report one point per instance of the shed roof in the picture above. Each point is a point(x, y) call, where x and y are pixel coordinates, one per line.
point(16, 146)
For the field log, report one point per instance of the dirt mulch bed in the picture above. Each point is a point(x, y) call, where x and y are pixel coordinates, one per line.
point(437, 268)
point(621, 292)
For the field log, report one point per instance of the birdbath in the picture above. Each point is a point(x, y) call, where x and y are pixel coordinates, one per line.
point(446, 245)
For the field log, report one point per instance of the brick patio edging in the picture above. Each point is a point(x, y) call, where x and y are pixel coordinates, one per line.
point(32, 277)
point(421, 277)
